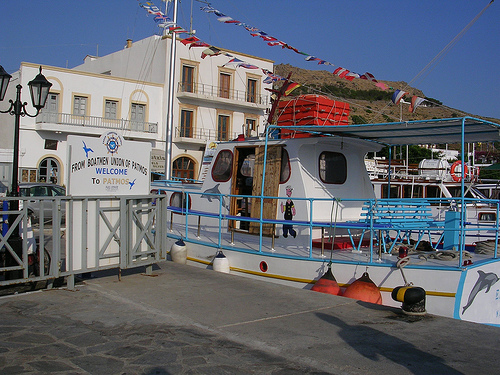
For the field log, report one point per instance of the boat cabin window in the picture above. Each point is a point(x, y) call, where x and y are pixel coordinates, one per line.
point(395, 191)
point(285, 166)
point(332, 167)
point(487, 216)
point(456, 192)
point(221, 171)
point(433, 191)
point(415, 191)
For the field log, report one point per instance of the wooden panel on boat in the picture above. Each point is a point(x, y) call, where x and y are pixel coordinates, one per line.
point(271, 185)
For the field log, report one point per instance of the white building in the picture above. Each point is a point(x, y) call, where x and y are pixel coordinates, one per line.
point(128, 91)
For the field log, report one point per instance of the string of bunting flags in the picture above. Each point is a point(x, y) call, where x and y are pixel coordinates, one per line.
point(192, 41)
point(272, 41)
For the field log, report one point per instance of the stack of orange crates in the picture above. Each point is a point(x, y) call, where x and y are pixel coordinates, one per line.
point(311, 110)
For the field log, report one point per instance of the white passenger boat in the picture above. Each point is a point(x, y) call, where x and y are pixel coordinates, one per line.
point(284, 210)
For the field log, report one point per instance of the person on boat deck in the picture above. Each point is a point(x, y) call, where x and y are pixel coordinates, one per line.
point(289, 209)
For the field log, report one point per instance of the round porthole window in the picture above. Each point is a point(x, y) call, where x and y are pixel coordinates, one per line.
point(263, 266)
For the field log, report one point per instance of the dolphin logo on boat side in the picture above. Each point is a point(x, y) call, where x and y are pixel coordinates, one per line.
point(214, 193)
point(485, 281)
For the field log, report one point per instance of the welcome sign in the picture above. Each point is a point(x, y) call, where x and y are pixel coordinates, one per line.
point(109, 165)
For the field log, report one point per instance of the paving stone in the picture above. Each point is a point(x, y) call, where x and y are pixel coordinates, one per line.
point(31, 338)
point(54, 350)
point(87, 339)
point(156, 357)
point(127, 351)
point(13, 370)
point(50, 366)
point(99, 365)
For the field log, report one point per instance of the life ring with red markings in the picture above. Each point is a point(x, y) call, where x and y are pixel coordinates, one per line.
point(457, 176)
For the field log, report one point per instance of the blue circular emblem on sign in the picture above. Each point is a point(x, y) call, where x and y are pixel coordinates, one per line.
point(112, 141)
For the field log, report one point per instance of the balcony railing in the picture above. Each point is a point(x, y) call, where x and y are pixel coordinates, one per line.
point(218, 92)
point(202, 134)
point(96, 122)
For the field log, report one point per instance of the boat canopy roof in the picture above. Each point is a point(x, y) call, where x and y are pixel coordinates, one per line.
point(413, 132)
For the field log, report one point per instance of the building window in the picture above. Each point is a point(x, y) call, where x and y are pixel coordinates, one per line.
point(183, 168)
point(29, 175)
point(80, 105)
point(137, 116)
point(50, 144)
point(332, 167)
point(48, 171)
point(187, 78)
point(186, 129)
point(110, 109)
point(51, 108)
point(250, 127)
point(252, 90)
point(223, 128)
point(224, 85)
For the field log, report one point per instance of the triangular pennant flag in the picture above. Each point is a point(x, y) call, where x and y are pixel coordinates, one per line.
point(415, 102)
point(234, 61)
point(291, 86)
point(190, 40)
point(397, 96)
point(368, 76)
point(382, 85)
point(210, 51)
point(199, 44)
point(246, 65)
point(224, 19)
point(350, 76)
point(271, 77)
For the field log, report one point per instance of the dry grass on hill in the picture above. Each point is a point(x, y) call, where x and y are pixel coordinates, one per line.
point(372, 111)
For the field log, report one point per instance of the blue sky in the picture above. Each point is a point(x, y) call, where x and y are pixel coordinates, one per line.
point(394, 40)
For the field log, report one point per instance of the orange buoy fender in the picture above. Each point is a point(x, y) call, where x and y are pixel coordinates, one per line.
point(364, 289)
point(327, 284)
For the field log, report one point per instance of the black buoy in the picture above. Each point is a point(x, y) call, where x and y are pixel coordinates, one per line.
point(412, 297)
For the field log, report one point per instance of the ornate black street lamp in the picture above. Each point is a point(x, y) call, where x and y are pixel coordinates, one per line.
point(39, 90)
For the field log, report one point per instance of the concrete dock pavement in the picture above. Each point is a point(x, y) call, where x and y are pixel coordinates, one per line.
point(188, 320)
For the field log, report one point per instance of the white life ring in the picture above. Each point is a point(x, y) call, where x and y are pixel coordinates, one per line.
point(463, 172)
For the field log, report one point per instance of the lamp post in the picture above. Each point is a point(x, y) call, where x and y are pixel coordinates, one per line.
point(39, 90)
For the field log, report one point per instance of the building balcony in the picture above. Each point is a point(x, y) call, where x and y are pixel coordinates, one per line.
point(199, 136)
point(92, 125)
point(213, 94)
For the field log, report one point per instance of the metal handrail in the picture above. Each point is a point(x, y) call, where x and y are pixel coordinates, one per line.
point(216, 91)
point(203, 134)
point(96, 122)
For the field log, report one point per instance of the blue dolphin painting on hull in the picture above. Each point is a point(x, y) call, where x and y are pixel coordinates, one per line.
point(485, 281)
point(214, 193)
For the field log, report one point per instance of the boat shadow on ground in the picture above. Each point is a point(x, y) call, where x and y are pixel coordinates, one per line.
point(374, 344)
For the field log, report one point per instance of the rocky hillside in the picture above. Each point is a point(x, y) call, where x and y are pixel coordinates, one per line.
point(375, 104)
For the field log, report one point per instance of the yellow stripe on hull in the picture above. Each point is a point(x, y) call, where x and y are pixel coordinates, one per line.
point(307, 281)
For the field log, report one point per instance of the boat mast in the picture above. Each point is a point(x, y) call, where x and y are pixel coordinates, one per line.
point(170, 104)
